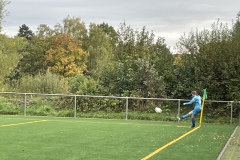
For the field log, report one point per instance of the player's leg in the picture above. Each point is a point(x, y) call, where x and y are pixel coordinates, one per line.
point(191, 113)
point(187, 115)
point(193, 120)
point(194, 112)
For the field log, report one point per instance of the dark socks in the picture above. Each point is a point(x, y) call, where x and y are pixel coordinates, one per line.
point(193, 122)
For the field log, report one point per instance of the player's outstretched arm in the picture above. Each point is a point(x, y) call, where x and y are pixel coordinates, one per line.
point(190, 102)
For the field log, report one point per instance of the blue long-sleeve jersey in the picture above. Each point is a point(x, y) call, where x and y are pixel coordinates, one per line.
point(197, 100)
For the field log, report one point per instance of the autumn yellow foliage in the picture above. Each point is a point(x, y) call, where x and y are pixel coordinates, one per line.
point(65, 56)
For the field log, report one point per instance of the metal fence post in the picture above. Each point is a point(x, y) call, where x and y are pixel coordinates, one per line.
point(126, 108)
point(239, 115)
point(178, 115)
point(75, 106)
point(231, 112)
point(25, 104)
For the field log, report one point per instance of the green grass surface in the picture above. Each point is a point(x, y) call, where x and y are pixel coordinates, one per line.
point(99, 139)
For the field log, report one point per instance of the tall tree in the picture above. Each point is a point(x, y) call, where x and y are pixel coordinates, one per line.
point(44, 31)
point(110, 32)
point(66, 56)
point(72, 26)
point(205, 62)
point(163, 61)
point(33, 53)
point(33, 59)
point(135, 72)
point(24, 31)
point(100, 51)
point(233, 65)
point(3, 12)
point(126, 42)
point(9, 55)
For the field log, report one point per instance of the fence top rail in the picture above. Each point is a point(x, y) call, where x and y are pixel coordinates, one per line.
point(221, 101)
point(91, 96)
point(43, 94)
point(117, 97)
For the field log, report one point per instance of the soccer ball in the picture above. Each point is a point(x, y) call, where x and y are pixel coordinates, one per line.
point(158, 110)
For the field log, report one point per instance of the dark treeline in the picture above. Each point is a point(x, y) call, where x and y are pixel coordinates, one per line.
point(101, 60)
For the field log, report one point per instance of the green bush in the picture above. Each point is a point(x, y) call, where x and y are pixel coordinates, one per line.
point(40, 111)
point(43, 83)
point(82, 85)
point(65, 113)
point(9, 108)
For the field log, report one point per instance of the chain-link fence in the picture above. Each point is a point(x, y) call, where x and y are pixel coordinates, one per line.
point(92, 106)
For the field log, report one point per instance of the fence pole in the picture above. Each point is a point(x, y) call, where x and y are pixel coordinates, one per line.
point(75, 106)
point(231, 112)
point(178, 115)
point(239, 117)
point(25, 104)
point(126, 108)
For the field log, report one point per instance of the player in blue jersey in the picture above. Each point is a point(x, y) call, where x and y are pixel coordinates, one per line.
point(197, 107)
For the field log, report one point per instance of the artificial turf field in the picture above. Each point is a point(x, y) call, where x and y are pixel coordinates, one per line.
point(48, 138)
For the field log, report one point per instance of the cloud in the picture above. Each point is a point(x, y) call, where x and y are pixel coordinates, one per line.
point(168, 19)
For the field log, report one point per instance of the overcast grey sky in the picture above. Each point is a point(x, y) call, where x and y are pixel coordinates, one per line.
point(166, 18)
